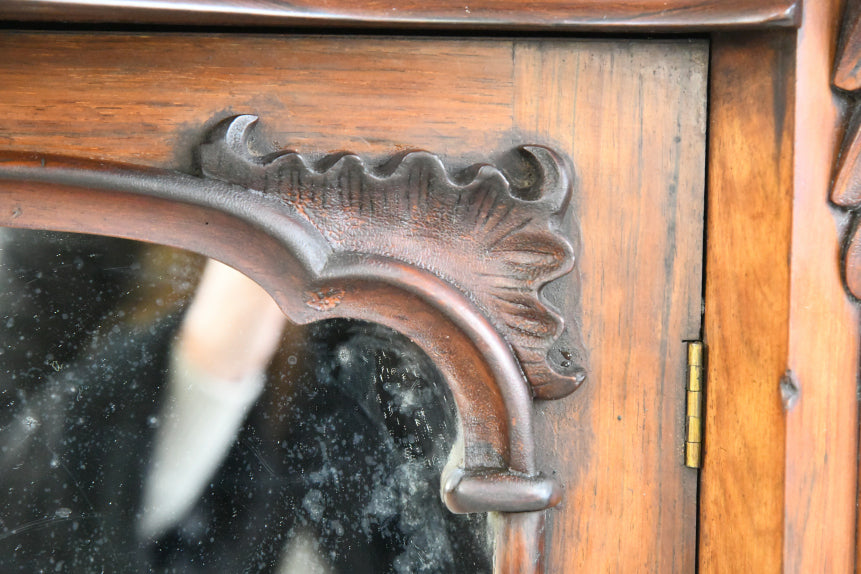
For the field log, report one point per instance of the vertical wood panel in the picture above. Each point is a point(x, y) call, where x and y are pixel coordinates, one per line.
point(633, 116)
point(821, 442)
point(747, 303)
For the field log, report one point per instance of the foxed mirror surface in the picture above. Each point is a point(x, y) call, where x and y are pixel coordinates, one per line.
point(158, 413)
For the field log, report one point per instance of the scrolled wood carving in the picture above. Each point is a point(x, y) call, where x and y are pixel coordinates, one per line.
point(491, 231)
point(455, 262)
point(846, 190)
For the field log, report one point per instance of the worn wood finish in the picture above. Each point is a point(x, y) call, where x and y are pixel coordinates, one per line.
point(782, 381)
point(584, 15)
point(631, 116)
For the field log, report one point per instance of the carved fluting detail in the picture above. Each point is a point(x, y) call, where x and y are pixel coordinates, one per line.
point(846, 191)
point(493, 232)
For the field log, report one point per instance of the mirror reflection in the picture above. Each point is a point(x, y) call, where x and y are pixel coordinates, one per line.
point(159, 414)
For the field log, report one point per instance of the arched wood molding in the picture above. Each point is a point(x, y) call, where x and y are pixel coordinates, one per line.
point(846, 189)
point(456, 263)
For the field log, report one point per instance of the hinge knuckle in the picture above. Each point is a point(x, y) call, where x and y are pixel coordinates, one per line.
point(694, 406)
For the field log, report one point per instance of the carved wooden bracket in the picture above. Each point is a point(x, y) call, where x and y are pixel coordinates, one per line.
point(846, 191)
point(456, 263)
point(491, 232)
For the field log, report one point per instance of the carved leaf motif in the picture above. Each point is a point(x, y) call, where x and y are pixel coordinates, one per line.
point(847, 68)
point(853, 256)
point(491, 231)
point(846, 191)
point(532, 256)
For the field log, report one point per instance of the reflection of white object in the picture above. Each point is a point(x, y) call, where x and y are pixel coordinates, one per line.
point(302, 554)
point(198, 424)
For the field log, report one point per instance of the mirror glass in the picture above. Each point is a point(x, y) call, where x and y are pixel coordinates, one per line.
point(159, 414)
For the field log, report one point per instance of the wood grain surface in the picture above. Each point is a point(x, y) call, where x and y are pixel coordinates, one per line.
point(778, 484)
point(630, 15)
point(747, 303)
point(630, 114)
point(633, 116)
point(847, 176)
point(821, 437)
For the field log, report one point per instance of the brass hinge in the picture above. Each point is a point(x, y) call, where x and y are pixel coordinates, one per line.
point(694, 415)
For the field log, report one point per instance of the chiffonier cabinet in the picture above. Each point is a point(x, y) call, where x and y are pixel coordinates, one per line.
point(628, 243)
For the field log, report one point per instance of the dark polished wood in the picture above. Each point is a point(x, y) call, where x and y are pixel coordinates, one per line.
point(581, 15)
point(492, 232)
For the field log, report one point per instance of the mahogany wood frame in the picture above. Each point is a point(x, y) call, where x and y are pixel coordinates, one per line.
point(780, 468)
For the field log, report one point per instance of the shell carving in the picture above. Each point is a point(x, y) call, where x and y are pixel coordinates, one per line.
point(492, 231)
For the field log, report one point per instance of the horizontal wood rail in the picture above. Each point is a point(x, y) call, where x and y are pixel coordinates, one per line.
point(563, 15)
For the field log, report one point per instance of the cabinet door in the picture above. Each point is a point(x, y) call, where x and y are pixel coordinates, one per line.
point(629, 114)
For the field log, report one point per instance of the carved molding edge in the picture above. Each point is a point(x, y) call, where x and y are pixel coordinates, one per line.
point(456, 263)
point(846, 188)
point(491, 231)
